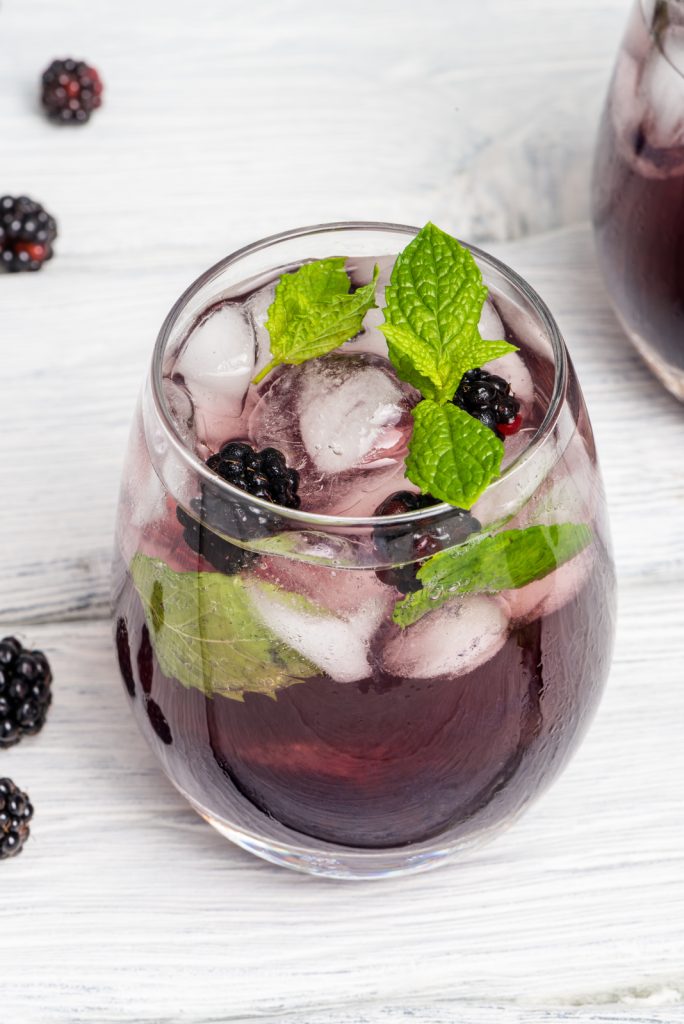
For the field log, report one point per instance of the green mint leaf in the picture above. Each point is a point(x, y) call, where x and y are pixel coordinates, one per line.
point(488, 564)
point(208, 634)
point(451, 454)
point(313, 312)
point(434, 301)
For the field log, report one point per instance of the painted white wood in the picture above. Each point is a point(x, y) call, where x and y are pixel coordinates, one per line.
point(223, 122)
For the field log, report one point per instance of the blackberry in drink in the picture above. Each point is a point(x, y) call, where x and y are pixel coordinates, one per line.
point(342, 670)
point(638, 190)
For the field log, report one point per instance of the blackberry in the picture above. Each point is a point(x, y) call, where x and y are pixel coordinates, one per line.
point(25, 693)
point(27, 232)
point(409, 544)
point(488, 398)
point(15, 813)
point(123, 650)
point(158, 721)
point(263, 474)
point(71, 91)
point(146, 661)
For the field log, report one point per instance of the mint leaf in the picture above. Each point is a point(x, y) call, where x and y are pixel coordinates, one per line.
point(488, 564)
point(434, 301)
point(208, 634)
point(313, 312)
point(451, 454)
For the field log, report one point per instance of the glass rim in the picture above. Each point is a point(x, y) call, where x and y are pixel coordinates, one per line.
point(316, 519)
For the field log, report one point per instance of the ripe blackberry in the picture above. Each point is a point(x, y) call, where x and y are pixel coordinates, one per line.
point(411, 544)
point(488, 398)
point(15, 813)
point(27, 232)
point(263, 474)
point(71, 91)
point(25, 694)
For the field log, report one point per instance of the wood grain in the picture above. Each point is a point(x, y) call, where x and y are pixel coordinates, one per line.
point(224, 122)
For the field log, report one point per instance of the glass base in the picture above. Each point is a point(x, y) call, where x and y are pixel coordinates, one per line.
point(671, 377)
point(350, 864)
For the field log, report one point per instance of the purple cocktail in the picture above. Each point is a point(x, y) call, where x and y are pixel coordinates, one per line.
point(278, 659)
point(638, 194)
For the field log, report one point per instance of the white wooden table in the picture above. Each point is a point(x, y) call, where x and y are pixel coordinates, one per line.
point(224, 122)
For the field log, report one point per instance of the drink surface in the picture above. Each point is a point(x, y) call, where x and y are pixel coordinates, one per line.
point(639, 190)
point(372, 736)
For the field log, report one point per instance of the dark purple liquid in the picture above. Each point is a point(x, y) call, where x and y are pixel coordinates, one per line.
point(384, 761)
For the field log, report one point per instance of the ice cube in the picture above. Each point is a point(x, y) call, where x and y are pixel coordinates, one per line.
point(256, 307)
point(343, 422)
point(491, 325)
point(449, 641)
point(352, 413)
point(513, 369)
point(181, 408)
point(371, 339)
point(626, 104)
point(341, 591)
point(216, 365)
point(662, 92)
point(338, 645)
point(360, 269)
point(547, 595)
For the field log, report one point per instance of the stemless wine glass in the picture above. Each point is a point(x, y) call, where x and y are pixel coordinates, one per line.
point(257, 643)
point(638, 189)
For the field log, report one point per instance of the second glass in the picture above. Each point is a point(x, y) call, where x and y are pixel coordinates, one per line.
point(638, 190)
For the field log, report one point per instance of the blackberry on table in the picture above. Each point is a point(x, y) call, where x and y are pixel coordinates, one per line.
point(263, 474)
point(25, 693)
point(411, 544)
point(71, 91)
point(27, 232)
point(488, 398)
point(16, 812)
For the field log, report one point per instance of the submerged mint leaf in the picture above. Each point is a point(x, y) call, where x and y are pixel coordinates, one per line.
point(208, 634)
point(451, 454)
point(313, 312)
point(487, 564)
point(434, 301)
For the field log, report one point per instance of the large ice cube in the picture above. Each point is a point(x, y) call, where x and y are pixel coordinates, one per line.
point(338, 645)
point(547, 595)
point(216, 365)
point(343, 422)
point(449, 641)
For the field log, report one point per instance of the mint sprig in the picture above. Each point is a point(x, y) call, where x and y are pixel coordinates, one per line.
point(434, 303)
point(451, 454)
point(488, 564)
point(313, 312)
point(208, 634)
